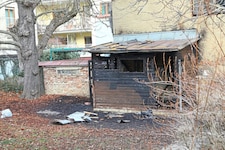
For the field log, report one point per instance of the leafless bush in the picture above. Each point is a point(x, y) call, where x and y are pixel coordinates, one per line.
point(202, 123)
point(168, 87)
point(208, 127)
point(204, 127)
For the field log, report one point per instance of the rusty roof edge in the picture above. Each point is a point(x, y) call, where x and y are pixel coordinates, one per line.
point(189, 42)
point(129, 51)
point(107, 50)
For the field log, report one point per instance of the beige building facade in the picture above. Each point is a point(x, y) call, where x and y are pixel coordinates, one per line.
point(143, 16)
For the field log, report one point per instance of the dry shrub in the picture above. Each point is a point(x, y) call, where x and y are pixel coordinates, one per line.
point(204, 126)
point(201, 125)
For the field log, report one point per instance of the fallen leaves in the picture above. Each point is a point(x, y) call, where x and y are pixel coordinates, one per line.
point(28, 130)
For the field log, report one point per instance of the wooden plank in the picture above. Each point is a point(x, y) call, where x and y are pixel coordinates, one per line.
point(90, 113)
point(120, 99)
point(119, 91)
point(101, 84)
point(123, 91)
point(124, 107)
point(121, 105)
point(118, 94)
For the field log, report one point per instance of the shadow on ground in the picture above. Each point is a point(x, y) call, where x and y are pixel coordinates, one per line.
point(62, 106)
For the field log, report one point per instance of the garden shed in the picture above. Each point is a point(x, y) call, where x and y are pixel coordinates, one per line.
point(119, 69)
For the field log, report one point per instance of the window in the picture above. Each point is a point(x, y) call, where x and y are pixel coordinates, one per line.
point(105, 61)
point(105, 9)
point(86, 10)
point(206, 7)
point(10, 16)
point(88, 40)
point(131, 65)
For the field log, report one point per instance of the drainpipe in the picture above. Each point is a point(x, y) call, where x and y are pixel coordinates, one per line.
point(180, 84)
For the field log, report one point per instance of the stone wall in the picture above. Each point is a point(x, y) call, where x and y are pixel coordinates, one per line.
point(71, 81)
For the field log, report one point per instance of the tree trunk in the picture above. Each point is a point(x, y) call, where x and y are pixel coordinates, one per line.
point(29, 52)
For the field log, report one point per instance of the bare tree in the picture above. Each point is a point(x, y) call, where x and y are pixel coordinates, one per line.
point(23, 33)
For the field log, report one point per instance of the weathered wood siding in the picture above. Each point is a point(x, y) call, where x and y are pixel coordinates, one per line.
point(113, 89)
point(116, 77)
point(120, 90)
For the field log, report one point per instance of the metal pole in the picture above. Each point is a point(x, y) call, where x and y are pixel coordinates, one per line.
point(180, 84)
point(51, 54)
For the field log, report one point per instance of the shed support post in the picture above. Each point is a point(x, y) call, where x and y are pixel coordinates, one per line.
point(90, 67)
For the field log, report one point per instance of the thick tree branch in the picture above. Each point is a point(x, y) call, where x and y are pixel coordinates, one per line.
point(14, 36)
point(3, 4)
point(11, 43)
point(7, 48)
point(60, 17)
point(29, 3)
point(48, 12)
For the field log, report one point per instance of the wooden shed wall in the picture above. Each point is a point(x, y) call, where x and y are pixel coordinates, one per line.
point(114, 89)
point(117, 89)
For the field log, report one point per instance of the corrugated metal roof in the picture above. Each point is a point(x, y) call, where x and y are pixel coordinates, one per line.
point(82, 61)
point(140, 46)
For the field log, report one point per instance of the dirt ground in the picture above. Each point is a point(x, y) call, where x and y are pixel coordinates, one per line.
point(32, 126)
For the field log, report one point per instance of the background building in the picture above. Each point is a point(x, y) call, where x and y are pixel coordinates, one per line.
point(90, 27)
point(8, 56)
point(102, 22)
point(154, 16)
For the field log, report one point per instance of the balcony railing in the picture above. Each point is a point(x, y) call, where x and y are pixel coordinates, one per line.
point(70, 46)
point(74, 24)
point(53, 1)
point(56, 2)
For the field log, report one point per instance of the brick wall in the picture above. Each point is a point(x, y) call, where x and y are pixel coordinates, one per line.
point(71, 81)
